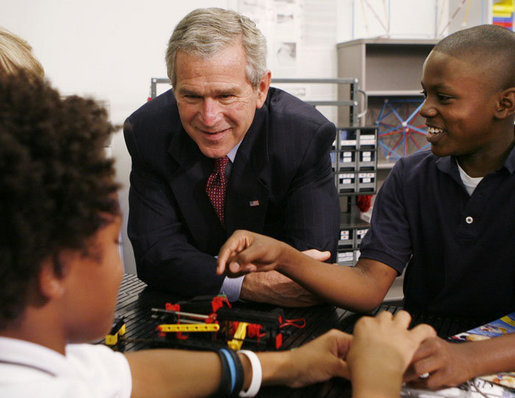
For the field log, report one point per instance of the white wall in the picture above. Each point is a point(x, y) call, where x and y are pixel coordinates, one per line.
point(110, 49)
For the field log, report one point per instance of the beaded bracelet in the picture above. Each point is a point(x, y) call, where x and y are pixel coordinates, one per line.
point(257, 374)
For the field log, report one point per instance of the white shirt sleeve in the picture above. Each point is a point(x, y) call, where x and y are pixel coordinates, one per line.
point(86, 371)
point(105, 371)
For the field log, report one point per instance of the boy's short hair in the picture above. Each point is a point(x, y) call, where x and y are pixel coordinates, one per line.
point(56, 185)
point(16, 54)
point(491, 45)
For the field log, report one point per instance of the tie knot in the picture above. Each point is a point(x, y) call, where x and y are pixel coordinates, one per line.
point(220, 164)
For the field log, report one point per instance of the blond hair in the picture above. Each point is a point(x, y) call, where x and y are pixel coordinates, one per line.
point(16, 54)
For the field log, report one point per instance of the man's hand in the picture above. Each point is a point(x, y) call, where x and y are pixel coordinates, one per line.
point(447, 364)
point(317, 254)
point(275, 288)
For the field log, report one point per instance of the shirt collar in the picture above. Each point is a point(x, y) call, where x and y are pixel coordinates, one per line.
point(510, 161)
point(448, 164)
point(34, 356)
point(232, 153)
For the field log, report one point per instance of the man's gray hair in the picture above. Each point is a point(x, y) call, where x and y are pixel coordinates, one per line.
point(205, 31)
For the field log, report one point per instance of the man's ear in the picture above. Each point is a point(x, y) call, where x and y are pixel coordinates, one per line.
point(51, 278)
point(262, 90)
point(506, 104)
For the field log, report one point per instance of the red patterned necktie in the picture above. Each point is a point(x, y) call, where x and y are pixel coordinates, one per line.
point(217, 185)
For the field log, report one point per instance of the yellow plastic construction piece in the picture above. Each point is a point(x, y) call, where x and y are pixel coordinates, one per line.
point(239, 336)
point(194, 327)
point(112, 339)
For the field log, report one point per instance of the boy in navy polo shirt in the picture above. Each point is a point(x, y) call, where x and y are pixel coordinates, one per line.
point(446, 215)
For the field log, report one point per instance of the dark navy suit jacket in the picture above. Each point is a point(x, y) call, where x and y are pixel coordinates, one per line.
point(281, 185)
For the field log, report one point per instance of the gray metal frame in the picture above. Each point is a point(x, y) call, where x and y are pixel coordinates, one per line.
point(352, 102)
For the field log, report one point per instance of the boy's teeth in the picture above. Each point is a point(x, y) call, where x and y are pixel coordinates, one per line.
point(434, 130)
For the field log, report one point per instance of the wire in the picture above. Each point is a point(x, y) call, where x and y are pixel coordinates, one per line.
point(299, 323)
point(453, 16)
point(377, 16)
point(466, 16)
point(365, 19)
point(440, 17)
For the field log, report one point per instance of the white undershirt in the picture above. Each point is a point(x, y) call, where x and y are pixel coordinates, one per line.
point(470, 182)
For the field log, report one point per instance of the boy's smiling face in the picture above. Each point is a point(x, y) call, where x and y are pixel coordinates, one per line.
point(460, 104)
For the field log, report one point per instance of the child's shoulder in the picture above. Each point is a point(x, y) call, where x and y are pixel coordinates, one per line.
point(419, 162)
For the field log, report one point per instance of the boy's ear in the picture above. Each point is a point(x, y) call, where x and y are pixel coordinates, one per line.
point(506, 104)
point(51, 279)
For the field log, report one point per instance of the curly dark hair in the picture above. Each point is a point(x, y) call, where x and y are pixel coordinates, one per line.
point(56, 184)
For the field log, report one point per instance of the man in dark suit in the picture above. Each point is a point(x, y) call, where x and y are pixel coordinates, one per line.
point(278, 179)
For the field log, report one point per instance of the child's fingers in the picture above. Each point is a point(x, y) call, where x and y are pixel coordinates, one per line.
point(402, 318)
point(422, 332)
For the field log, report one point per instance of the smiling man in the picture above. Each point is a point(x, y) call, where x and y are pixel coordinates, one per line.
point(224, 151)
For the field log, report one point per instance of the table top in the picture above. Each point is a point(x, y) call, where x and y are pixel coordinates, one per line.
point(135, 301)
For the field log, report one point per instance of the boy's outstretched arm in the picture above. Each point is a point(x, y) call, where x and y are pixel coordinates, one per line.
point(179, 373)
point(451, 364)
point(359, 288)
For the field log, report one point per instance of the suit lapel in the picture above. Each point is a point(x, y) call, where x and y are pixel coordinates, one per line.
point(247, 193)
point(188, 182)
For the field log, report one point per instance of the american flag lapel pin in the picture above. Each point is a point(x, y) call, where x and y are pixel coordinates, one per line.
point(254, 203)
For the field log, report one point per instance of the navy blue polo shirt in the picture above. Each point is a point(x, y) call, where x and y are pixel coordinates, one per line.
point(459, 249)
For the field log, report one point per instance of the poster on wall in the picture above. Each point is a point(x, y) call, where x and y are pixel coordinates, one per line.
point(279, 20)
point(301, 40)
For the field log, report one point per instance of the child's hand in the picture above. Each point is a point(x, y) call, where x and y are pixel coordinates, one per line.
point(247, 251)
point(319, 360)
point(381, 351)
point(448, 364)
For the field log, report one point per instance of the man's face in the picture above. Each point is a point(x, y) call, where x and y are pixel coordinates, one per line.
point(216, 101)
point(459, 107)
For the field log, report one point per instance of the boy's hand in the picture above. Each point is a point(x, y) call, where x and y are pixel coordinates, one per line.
point(381, 351)
point(317, 361)
point(448, 364)
point(247, 251)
